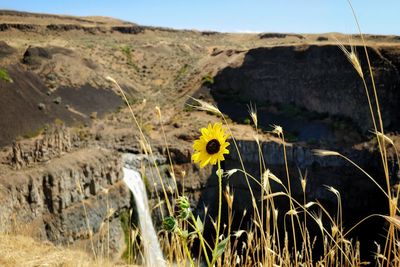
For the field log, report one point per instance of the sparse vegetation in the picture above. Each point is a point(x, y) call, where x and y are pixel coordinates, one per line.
point(59, 122)
point(127, 51)
point(34, 133)
point(208, 80)
point(132, 100)
point(247, 121)
point(182, 71)
point(5, 76)
point(188, 108)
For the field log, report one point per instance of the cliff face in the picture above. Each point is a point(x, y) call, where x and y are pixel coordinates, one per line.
point(355, 188)
point(358, 195)
point(68, 199)
point(316, 78)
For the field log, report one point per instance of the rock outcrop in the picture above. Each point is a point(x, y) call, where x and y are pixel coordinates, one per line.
point(18, 26)
point(280, 35)
point(56, 141)
point(70, 27)
point(34, 54)
point(70, 200)
point(129, 29)
point(5, 49)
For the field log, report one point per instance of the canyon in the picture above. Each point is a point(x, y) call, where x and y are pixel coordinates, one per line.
point(65, 132)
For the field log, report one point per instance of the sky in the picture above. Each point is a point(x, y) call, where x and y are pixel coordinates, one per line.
point(290, 16)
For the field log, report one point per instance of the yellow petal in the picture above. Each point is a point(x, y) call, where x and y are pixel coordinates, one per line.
point(204, 131)
point(205, 162)
point(217, 127)
point(196, 157)
point(199, 145)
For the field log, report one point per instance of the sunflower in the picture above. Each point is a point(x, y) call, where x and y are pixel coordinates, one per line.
point(211, 146)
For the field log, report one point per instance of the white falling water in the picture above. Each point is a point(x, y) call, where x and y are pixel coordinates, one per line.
point(152, 252)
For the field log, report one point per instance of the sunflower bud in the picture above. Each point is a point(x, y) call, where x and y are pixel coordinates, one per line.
point(183, 207)
point(170, 224)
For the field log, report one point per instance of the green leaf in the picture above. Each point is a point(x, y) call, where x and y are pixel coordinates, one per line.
point(220, 248)
point(199, 224)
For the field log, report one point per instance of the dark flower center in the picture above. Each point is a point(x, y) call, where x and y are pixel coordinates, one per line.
point(213, 146)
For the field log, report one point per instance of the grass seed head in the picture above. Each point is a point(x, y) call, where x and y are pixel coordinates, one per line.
point(309, 204)
point(303, 182)
point(325, 153)
point(384, 137)
point(253, 114)
point(334, 230)
point(394, 220)
point(229, 173)
point(333, 190)
point(292, 212)
point(202, 105)
point(278, 130)
point(352, 57)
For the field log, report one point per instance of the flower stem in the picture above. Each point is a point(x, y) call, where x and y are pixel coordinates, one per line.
point(201, 239)
point(188, 252)
point(219, 174)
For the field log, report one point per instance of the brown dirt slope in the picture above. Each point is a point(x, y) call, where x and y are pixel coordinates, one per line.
point(27, 105)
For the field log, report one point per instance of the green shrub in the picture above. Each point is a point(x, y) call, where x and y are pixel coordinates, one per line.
point(5, 76)
point(208, 80)
point(127, 50)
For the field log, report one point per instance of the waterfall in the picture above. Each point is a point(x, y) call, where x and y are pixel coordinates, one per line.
point(152, 251)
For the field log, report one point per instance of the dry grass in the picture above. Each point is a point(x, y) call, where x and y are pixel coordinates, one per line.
point(24, 251)
point(265, 244)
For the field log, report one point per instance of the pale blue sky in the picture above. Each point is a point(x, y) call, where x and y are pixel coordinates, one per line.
point(297, 16)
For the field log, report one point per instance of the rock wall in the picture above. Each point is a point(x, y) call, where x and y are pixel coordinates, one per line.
point(317, 78)
point(69, 200)
point(360, 197)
